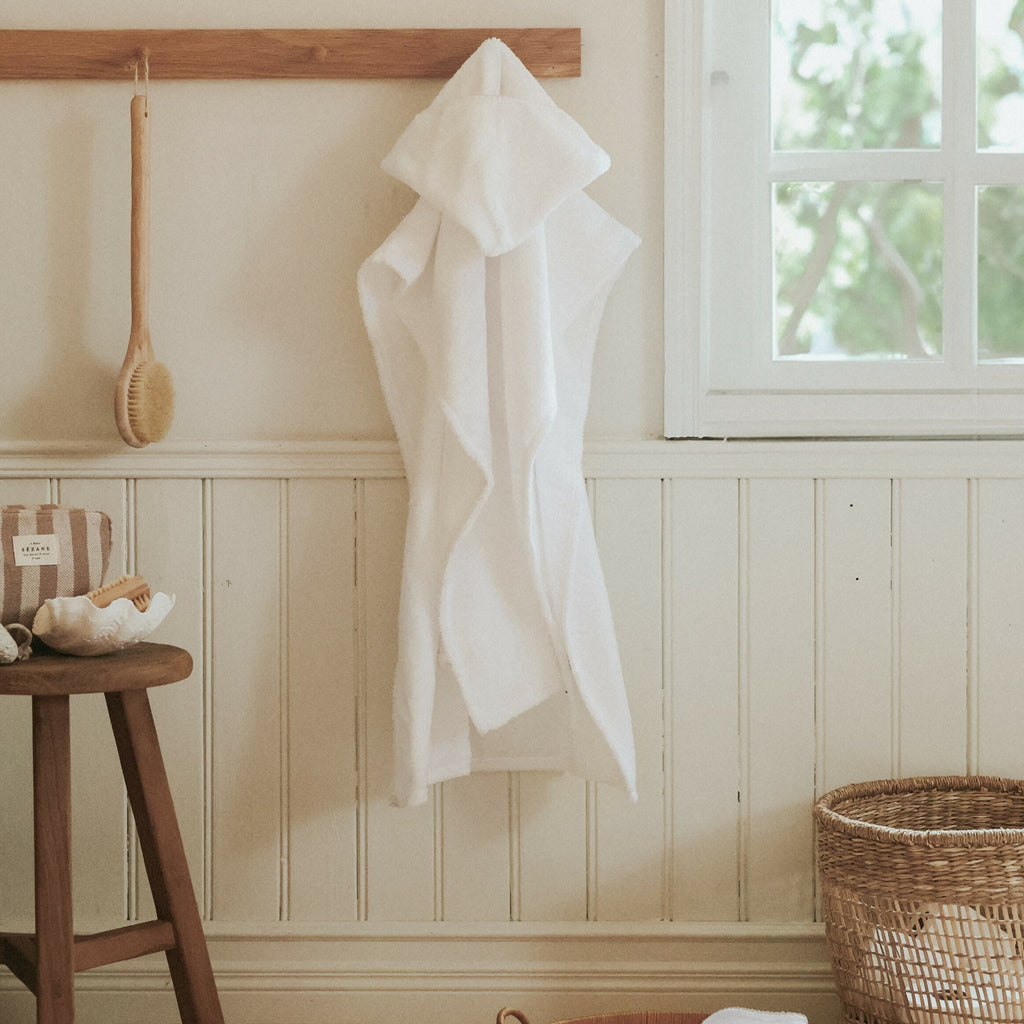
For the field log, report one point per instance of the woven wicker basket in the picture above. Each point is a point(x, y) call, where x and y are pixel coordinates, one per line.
point(923, 899)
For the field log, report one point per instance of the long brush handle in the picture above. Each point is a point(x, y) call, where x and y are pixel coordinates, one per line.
point(140, 220)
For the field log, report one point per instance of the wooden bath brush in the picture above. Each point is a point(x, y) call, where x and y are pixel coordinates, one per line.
point(144, 396)
point(135, 588)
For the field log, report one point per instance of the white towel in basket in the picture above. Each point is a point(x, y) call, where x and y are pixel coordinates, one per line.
point(740, 1015)
point(953, 959)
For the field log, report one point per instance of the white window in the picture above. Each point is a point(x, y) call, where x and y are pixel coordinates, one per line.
point(845, 217)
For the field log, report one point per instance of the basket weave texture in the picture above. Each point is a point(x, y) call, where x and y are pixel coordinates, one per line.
point(923, 899)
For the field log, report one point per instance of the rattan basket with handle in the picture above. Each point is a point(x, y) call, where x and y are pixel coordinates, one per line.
point(922, 889)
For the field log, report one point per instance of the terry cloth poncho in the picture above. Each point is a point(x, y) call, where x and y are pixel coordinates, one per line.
point(482, 308)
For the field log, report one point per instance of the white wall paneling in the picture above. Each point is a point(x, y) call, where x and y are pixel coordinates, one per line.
point(999, 701)
point(786, 624)
point(319, 730)
point(856, 630)
point(630, 837)
point(777, 697)
point(549, 837)
point(246, 601)
point(475, 848)
point(702, 654)
point(932, 551)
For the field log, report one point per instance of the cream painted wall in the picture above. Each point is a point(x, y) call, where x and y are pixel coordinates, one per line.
point(266, 197)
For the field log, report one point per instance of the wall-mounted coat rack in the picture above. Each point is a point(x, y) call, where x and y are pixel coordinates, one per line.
point(275, 53)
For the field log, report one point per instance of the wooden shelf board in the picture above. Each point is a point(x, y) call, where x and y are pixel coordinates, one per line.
point(275, 53)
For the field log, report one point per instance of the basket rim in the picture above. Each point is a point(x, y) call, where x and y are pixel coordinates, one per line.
point(826, 814)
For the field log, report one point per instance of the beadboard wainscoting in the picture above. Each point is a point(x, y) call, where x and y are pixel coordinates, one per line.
point(791, 617)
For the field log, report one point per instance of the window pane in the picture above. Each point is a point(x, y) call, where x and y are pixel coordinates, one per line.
point(1001, 273)
point(856, 74)
point(1001, 74)
point(858, 270)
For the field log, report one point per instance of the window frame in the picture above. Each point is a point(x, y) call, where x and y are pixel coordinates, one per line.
point(954, 397)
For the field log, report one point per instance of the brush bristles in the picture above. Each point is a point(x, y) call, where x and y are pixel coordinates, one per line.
point(150, 401)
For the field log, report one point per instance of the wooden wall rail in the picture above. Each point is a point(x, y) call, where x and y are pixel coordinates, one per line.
point(276, 53)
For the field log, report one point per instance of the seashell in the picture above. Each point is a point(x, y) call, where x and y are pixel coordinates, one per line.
point(74, 625)
point(8, 647)
point(23, 638)
point(15, 643)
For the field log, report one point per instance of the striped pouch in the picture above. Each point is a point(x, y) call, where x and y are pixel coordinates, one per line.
point(49, 551)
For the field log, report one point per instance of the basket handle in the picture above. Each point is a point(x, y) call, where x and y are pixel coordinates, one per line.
point(507, 1011)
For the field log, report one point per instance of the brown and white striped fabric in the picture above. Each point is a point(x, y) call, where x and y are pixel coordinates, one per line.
point(83, 553)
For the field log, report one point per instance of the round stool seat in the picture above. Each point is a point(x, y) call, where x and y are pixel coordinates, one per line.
point(134, 668)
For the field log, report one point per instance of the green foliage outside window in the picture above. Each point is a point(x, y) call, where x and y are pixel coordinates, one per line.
point(858, 266)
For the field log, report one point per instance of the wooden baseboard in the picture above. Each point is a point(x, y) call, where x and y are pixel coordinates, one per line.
point(439, 974)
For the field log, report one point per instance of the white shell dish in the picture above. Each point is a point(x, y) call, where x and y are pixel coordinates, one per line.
point(74, 625)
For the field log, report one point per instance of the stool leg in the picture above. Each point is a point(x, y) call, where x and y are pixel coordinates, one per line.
point(51, 797)
point(138, 747)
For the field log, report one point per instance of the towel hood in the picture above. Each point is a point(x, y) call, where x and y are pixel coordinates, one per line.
point(494, 152)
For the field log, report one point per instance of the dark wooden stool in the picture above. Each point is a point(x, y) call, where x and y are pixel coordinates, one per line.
point(48, 960)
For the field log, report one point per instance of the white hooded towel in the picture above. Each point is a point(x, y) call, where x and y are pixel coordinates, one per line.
point(482, 307)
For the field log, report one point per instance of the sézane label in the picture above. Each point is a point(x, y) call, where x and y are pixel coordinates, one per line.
point(36, 549)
